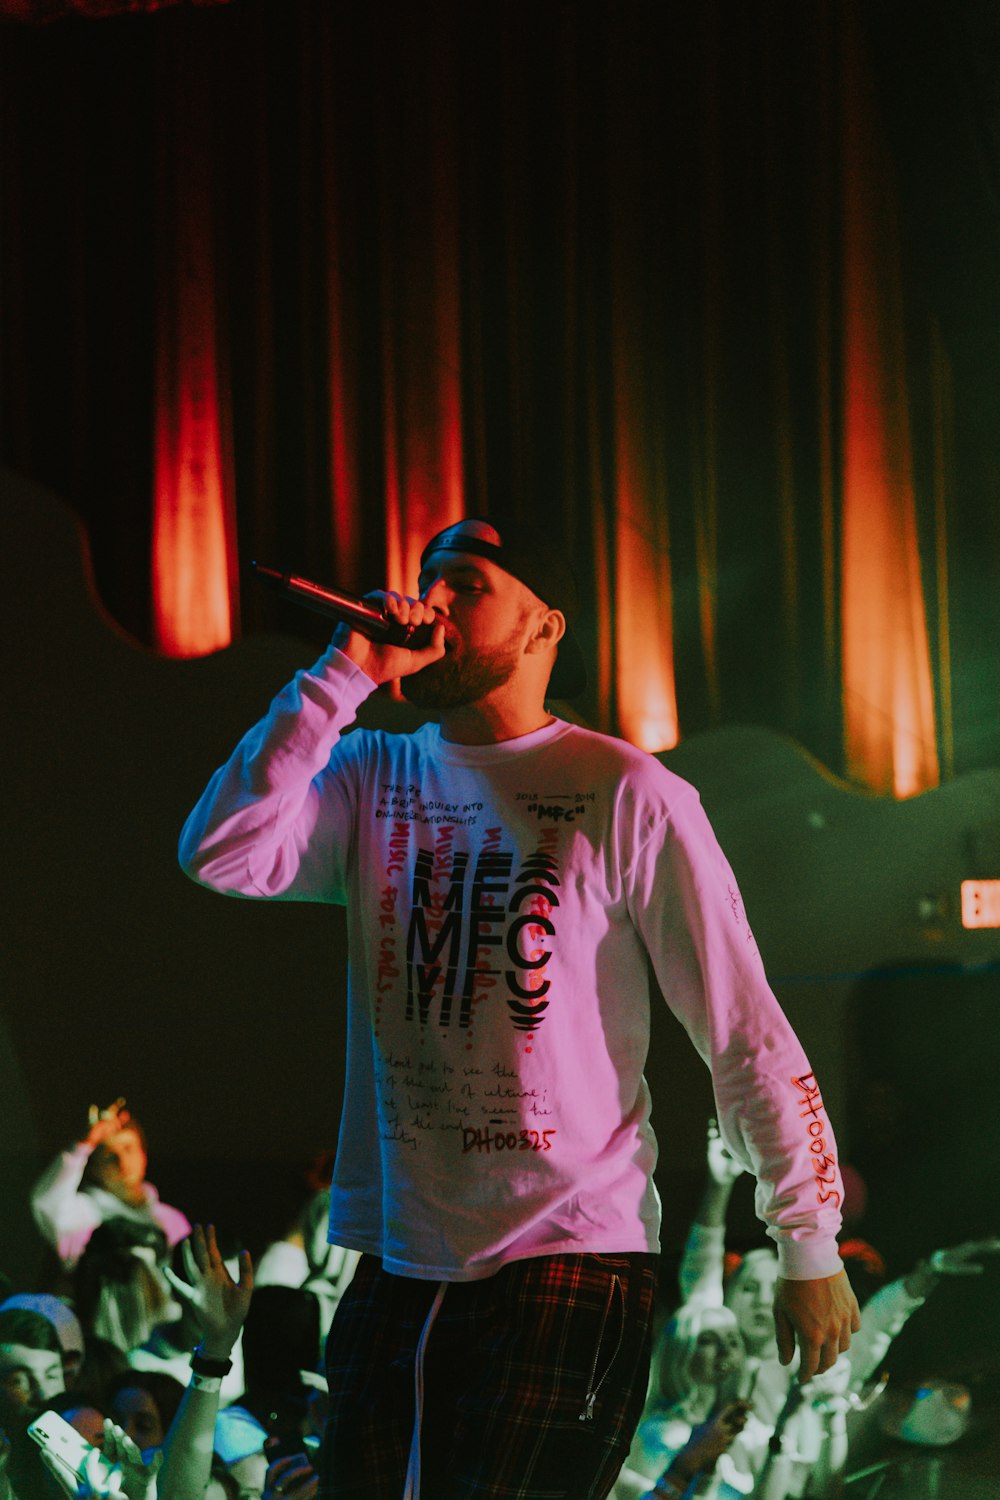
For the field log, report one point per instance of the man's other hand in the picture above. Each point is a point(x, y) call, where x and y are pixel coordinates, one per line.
point(820, 1315)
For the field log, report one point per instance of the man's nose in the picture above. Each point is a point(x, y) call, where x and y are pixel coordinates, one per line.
point(437, 595)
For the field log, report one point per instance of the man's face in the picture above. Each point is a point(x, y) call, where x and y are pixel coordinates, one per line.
point(486, 614)
point(120, 1163)
point(28, 1378)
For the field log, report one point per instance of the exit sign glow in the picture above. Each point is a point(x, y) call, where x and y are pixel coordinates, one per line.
point(981, 903)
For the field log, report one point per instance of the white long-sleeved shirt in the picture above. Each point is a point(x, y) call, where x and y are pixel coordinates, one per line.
point(502, 901)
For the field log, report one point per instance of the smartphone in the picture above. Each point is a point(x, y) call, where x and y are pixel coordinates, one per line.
point(289, 1444)
point(62, 1442)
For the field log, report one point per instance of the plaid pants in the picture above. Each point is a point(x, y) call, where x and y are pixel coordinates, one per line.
point(533, 1381)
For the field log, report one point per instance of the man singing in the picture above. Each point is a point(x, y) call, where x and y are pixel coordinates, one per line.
point(507, 876)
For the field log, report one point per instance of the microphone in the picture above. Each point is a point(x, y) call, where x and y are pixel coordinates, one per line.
point(336, 605)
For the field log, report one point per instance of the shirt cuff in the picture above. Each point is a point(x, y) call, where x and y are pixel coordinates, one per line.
point(337, 669)
point(808, 1260)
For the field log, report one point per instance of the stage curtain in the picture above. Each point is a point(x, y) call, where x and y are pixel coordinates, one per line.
point(39, 11)
point(306, 282)
point(194, 556)
point(889, 719)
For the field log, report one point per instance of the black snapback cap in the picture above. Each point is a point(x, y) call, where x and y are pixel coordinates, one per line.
point(537, 562)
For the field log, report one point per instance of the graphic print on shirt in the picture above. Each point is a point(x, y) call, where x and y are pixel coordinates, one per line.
point(464, 920)
point(479, 923)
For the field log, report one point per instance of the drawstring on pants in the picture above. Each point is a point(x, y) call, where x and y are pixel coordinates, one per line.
point(411, 1490)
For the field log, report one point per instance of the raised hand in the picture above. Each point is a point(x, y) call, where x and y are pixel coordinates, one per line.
point(219, 1303)
point(963, 1260)
point(957, 1260)
point(103, 1123)
point(723, 1168)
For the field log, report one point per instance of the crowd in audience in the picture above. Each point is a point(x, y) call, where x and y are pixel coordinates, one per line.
point(107, 1349)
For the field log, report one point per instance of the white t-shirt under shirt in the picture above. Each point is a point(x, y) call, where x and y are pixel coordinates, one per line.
point(501, 902)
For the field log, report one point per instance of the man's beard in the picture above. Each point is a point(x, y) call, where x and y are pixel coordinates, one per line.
point(458, 679)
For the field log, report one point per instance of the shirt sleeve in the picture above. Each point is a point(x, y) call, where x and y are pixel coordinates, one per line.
point(882, 1319)
point(687, 906)
point(66, 1217)
point(278, 818)
point(702, 1263)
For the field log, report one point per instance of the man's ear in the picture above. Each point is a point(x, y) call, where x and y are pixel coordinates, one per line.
point(549, 630)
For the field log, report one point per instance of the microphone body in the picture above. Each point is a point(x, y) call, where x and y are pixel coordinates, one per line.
point(347, 608)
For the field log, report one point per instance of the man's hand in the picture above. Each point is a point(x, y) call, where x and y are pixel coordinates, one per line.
point(384, 663)
point(821, 1315)
point(219, 1303)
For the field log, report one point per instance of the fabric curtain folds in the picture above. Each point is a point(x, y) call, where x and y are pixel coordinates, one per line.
point(414, 262)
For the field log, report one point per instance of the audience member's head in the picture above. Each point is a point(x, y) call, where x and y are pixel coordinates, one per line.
point(120, 1291)
point(699, 1352)
point(63, 1320)
point(749, 1293)
point(239, 1451)
point(80, 1411)
point(144, 1403)
point(30, 1366)
point(102, 1362)
point(118, 1164)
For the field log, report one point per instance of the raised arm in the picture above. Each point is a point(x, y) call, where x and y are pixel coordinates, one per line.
point(220, 1305)
point(885, 1314)
point(700, 1271)
point(66, 1217)
point(261, 828)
